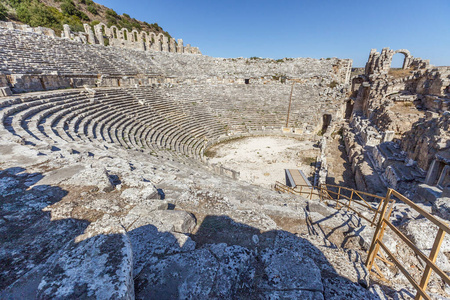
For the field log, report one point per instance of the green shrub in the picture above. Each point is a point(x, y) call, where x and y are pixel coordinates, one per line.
point(3, 12)
point(74, 22)
point(83, 16)
point(112, 13)
point(36, 14)
point(92, 10)
point(16, 3)
point(68, 8)
point(136, 25)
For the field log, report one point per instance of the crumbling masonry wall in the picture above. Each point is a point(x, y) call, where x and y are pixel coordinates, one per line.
point(380, 63)
point(401, 121)
point(102, 35)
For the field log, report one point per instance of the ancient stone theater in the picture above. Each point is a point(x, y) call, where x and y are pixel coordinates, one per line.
point(133, 166)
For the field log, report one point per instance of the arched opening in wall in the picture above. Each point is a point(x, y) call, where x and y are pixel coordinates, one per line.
point(135, 37)
point(247, 81)
point(105, 38)
point(348, 109)
point(326, 121)
point(115, 33)
point(397, 65)
point(397, 60)
point(125, 36)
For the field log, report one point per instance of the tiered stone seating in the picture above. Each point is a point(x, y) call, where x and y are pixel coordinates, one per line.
point(247, 108)
point(27, 53)
point(135, 118)
point(31, 53)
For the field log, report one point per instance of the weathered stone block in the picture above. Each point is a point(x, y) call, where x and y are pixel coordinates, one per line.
point(100, 267)
point(428, 193)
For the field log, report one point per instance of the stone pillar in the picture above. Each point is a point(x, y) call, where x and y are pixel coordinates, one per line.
point(444, 179)
point(165, 44)
point(433, 173)
point(90, 33)
point(180, 46)
point(99, 34)
point(157, 44)
point(406, 63)
point(187, 49)
point(66, 31)
point(83, 38)
point(172, 47)
point(348, 72)
point(370, 62)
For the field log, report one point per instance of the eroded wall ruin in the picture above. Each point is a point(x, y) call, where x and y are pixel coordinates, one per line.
point(102, 35)
point(400, 123)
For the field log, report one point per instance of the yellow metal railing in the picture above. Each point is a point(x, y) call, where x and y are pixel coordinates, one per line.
point(382, 212)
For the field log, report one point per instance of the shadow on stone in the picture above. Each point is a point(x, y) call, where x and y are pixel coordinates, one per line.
point(226, 259)
point(28, 236)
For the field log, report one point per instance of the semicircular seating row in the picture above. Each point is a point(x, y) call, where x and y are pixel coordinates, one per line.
point(135, 118)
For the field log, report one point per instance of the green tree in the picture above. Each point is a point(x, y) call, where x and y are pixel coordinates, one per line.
point(36, 14)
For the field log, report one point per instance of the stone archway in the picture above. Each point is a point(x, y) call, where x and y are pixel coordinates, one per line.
point(407, 59)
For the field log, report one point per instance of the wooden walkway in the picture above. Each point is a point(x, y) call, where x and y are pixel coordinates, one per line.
point(296, 177)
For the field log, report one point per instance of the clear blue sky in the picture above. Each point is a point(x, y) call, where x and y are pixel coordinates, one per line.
point(302, 28)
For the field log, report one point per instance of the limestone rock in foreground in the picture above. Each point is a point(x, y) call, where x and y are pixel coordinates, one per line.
point(94, 176)
point(149, 245)
point(210, 272)
point(165, 220)
point(135, 194)
point(100, 267)
point(289, 270)
point(337, 288)
point(422, 233)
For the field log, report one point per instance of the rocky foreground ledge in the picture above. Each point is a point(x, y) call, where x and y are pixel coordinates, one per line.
point(98, 221)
